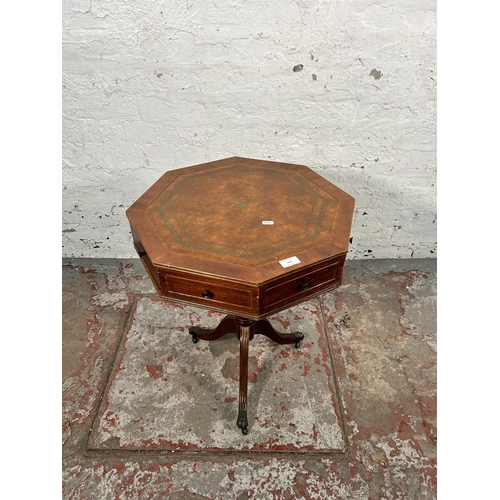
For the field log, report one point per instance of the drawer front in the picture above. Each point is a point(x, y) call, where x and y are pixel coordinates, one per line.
point(209, 292)
point(301, 285)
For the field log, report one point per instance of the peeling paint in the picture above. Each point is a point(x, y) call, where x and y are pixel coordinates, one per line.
point(380, 325)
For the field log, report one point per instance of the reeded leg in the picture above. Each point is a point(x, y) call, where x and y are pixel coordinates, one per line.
point(246, 330)
point(263, 327)
point(228, 325)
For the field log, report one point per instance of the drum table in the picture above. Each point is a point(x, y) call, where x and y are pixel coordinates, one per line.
point(245, 237)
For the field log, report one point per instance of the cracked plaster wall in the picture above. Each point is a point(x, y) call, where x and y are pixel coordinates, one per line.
point(345, 87)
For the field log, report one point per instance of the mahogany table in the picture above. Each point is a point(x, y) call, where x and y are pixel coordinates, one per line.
point(245, 237)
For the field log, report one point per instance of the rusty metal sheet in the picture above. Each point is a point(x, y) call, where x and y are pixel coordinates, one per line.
point(166, 393)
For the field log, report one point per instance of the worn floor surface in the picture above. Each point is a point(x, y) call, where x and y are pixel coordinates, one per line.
point(350, 414)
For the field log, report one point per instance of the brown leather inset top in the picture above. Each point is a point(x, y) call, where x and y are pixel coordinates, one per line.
point(243, 214)
point(237, 218)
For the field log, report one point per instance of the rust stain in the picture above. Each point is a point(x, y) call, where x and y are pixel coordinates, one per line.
point(298, 353)
point(155, 371)
point(284, 322)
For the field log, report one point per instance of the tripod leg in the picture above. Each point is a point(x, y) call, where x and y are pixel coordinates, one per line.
point(226, 326)
point(263, 327)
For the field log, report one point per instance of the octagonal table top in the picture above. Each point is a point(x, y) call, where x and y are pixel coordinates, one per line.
point(243, 219)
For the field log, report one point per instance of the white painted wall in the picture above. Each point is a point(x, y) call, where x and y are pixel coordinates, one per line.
point(150, 86)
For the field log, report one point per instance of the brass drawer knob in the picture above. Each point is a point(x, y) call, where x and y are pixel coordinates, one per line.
point(303, 286)
point(207, 294)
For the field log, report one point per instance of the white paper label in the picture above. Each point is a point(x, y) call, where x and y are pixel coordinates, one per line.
point(267, 222)
point(291, 261)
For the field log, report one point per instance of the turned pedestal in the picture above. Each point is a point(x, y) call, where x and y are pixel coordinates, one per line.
point(244, 329)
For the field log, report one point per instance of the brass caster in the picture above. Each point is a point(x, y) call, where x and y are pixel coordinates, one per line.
point(298, 337)
point(242, 422)
point(193, 331)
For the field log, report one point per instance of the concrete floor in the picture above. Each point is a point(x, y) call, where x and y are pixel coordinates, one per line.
point(349, 414)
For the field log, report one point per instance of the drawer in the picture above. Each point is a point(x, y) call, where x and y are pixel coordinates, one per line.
point(206, 291)
point(301, 284)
